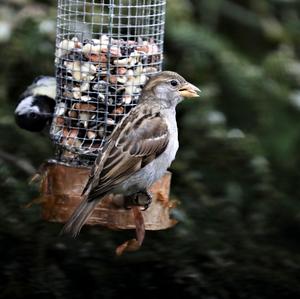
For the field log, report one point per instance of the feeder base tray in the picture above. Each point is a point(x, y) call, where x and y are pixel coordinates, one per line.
point(62, 185)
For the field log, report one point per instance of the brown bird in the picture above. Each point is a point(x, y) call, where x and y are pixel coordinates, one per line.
point(139, 150)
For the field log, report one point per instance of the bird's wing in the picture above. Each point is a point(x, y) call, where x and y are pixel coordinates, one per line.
point(137, 141)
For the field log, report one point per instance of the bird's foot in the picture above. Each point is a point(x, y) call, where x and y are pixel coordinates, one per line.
point(145, 199)
point(142, 198)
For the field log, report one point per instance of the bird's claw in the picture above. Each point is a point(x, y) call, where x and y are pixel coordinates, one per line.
point(138, 199)
point(144, 199)
point(145, 207)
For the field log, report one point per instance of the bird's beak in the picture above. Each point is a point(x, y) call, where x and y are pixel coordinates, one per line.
point(189, 90)
point(46, 114)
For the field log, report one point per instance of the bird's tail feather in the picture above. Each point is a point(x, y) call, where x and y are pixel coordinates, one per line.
point(79, 217)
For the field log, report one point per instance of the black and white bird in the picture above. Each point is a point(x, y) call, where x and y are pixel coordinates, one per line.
point(36, 107)
point(140, 149)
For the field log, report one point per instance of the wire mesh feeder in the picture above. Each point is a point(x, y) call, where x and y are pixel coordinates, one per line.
point(104, 52)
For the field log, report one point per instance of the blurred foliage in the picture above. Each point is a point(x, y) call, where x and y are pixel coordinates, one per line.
point(236, 173)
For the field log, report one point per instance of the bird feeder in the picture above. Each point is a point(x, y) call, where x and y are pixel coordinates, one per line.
point(105, 52)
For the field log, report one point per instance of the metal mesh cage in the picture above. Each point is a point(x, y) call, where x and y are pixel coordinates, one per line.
point(104, 52)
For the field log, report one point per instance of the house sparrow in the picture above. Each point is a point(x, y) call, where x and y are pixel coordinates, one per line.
point(36, 107)
point(139, 150)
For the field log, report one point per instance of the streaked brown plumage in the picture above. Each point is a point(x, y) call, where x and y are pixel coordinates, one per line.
point(139, 150)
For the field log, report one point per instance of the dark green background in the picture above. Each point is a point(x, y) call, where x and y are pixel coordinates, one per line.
point(236, 174)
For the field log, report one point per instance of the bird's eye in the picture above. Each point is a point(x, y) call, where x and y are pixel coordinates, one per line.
point(32, 115)
point(174, 82)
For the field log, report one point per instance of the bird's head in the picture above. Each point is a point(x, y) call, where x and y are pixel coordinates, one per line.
point(33, 113)
point(169, 88)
